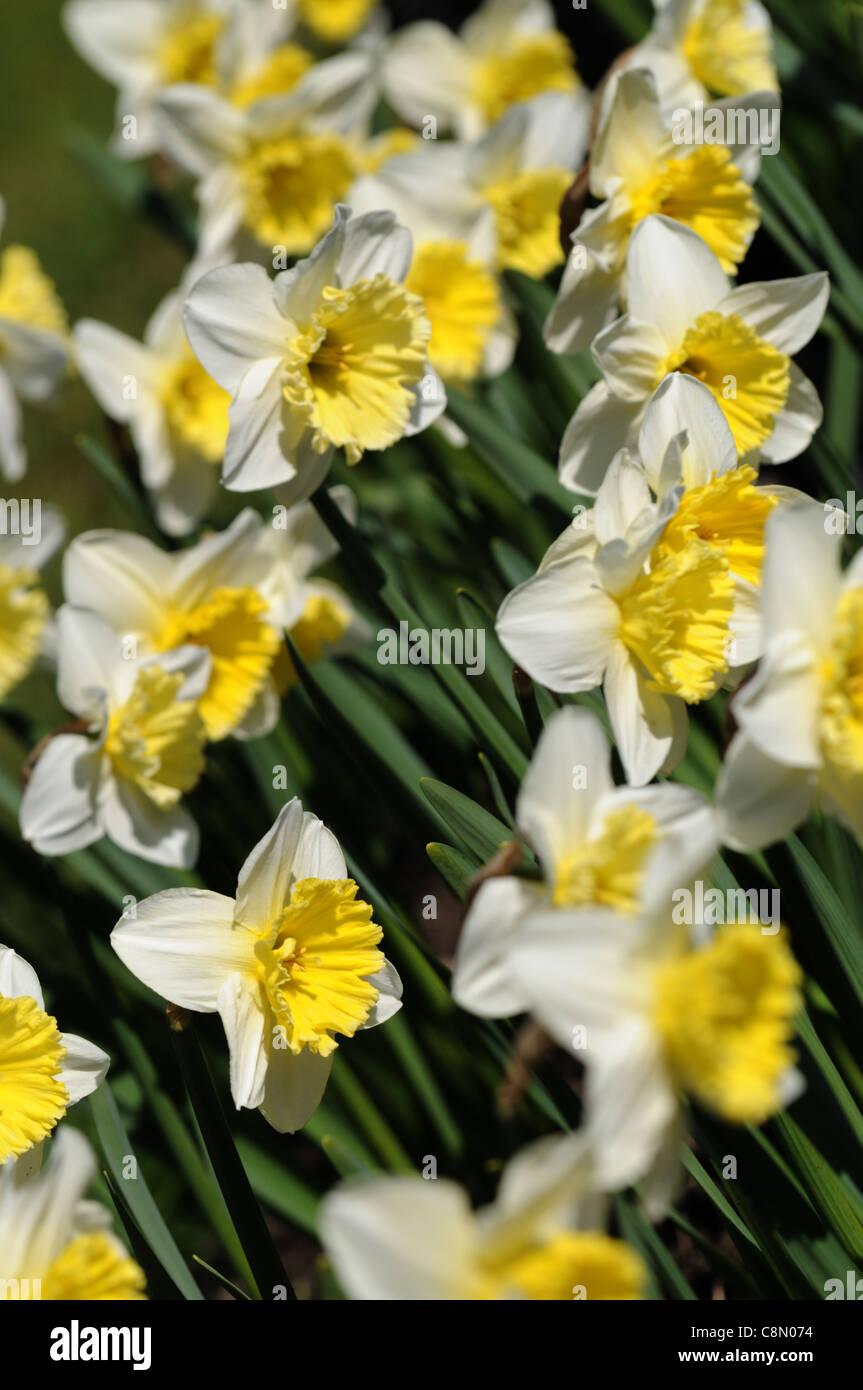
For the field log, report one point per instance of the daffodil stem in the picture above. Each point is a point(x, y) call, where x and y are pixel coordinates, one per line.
point(526, 696)
point(266, 1266)
point(358, 558)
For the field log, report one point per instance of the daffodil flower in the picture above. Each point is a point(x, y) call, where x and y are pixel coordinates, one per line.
point(270, 174)
point(25, 613)
point(402, 1238)
point(518, 171)
point(659, 1019)
point(211, 595)
point(140, 749)
point(290, 963)
point(683, 316)
point(800, 720)
point(34, 346)
point(143, 46)
point(636, 169)
point(54, 1245)
point(507, 52)
point(42, 1071)
point(701, 47)
point(598, 844)
point(655, 591)
point(686, 442)
point(331, 354)
point(176, 413)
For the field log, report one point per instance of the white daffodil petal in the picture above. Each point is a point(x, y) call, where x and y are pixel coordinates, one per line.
point(778, 708)
point(58, 808)
point(560, 626)
point(232, 321)
point(787, 313)
point(183, 944)
point(119, 372)
point(800, 581)
point(672, 277)
point(569, 774)
point(759, 800)
point(84, 1067)
point(389, 986)
point(683, 404)
point(242, 1013)
point(797, 422)
point(601, 426)
point(293, 1088)
point(18, 979)
point(630, 1104)
point(399, 1239)
point(482, 981)
point(296, 846)
point(647, 733)
point(121, 576)
point(133, 822)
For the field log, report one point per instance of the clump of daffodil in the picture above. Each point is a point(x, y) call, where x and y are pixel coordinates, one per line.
point(55, 1245)
point(144, 47)
point(137, 746)
point(699, 48)
point(331, 354)
point(542, 1239)
point(288, 965)
point(800, 717)
point(271, 171)
point(505, 53)
point(659, 1018)
point(683, 316)
point(517, 172)
point(244, 50)
point(42, 1071)
point(34, 346)
point(637, 169)
point(24, 608)
point(655, 592)
point(176, 414)
point(597, 844)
